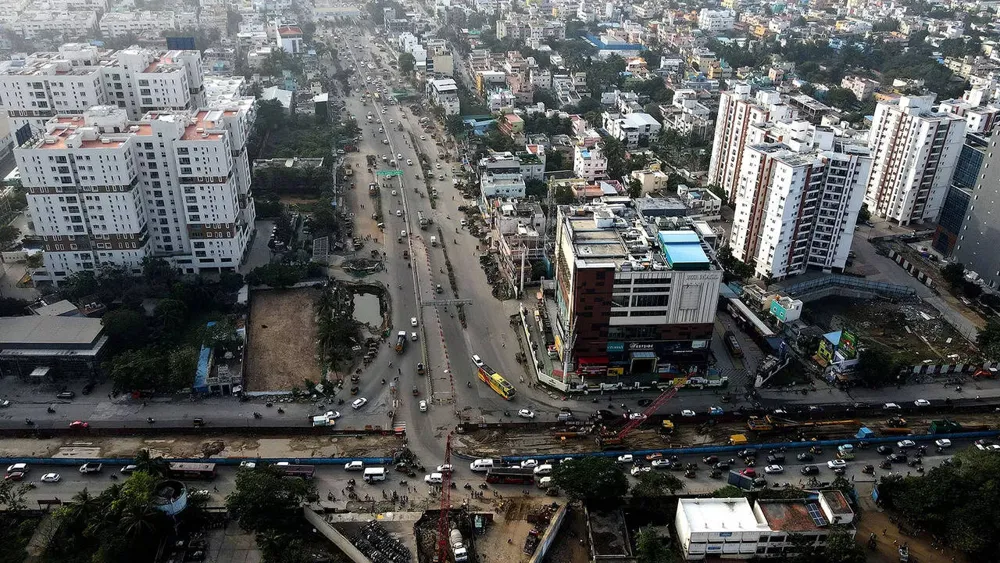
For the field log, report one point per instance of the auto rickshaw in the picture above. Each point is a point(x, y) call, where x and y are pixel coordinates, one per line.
point(354, 390)
point(415, 391)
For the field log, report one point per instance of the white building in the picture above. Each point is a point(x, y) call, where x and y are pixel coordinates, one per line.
point(738, 110)
point(633, 130)
point(118, 24)
point(797, 209)
point(500, 176)
point(31, 23)
point(589, 163)
point(80, 76)
point(444, 93)
point(106, 190)
point(714, 21)
point(289, 38)
point(917, 150)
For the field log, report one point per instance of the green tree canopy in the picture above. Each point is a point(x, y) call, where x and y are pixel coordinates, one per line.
point(596, 480)
point(988, 339)
point(406, 63)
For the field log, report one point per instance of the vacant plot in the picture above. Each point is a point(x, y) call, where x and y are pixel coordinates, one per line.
point(282, 332)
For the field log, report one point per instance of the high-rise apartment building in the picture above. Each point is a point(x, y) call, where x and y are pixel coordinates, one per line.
point(80, 76)
point(174, 184)
point(976, 246)
point(916, 149)
point(739, 109)
point(796, 204)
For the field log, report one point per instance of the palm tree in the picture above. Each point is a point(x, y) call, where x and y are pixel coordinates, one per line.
point(144, 461)
point(138, 520)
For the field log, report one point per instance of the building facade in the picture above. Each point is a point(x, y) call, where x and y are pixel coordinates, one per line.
point(444, 93)
point(976, 246)
point(589, 164)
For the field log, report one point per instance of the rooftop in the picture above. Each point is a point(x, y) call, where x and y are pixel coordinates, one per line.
point(719, 515)
point(49, 331)
point(793, 515)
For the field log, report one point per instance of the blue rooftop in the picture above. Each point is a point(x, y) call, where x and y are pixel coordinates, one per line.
point(682, 250)
point(204, 366)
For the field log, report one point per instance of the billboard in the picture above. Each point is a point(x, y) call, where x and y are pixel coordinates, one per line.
point(181, 43)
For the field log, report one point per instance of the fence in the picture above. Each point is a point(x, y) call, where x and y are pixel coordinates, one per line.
point(849, 286)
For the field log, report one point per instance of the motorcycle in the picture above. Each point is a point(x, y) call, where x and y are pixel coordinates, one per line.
point(51, 410)
point(467, 486)
point(483, 486)
point(281, 410)
point(28, 421)
point(258, 415)
point(468, 384)
point(150, 420)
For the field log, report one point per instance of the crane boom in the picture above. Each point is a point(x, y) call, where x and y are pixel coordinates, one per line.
point(632, 424)
point(443, 519)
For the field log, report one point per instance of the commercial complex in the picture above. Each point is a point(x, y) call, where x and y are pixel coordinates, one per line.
point(42, 348)
point(631, 299)
point(444, 93)
point(917, 149)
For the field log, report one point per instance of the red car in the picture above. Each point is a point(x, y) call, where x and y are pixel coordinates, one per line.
point(15, 476)
point(79, 424)
point(748, 472)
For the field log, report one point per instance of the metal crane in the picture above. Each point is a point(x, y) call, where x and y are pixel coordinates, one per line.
point(443, 519)
point(611, 441)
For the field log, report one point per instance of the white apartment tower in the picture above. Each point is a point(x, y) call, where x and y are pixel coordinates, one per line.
point(738, 110)
point(106, 189)
point(916, 150)
point(796, 204)
point(80, 76)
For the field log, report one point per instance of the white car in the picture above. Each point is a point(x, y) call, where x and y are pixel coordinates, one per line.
point(477, 360)
point(687, 412)
point(246, 464)
point(529, 464)
point(333, 414)
point(413, 321)
point(906, 444)
point(393, 192)
point(891, 407)
point(434, 479)
point(661, 463)
point(409, 162)
point(636, 416)
point(772, 469)
point(437, 165)
point(943, 443)
point(399, 213)
point(392, 121)
point(423, 406)
point(447, 468)
point(627, 458)
point(51, 478)
point(464, 222)
point(358, 403)
point(423, 137)
point(922, 403)
point(836, 464)
point(17, 468)
point(354, 466)
point(526, 413)
point(636, 471)
point(399, 156)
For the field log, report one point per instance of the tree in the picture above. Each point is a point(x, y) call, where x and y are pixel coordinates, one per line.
point(734, 268)
point(270, 115)
point(142, 368)
point(634, 188)
point(876, 367)
point(988, 339)
point(8, 235)
point(145, 462)
point(275, 275)
point(125, 328)
point(536, 188)
point(171, 317)
point(406, 63)
point(596, 480)
point(13, 307)
point(650, 547)
point(657, 484)
point(563, 195)
point(614, 151)
point(264, 500)
point(864, 215)
point(954, 274)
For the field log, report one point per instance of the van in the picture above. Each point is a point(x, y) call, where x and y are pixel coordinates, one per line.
point(373, 474)
point(434, 478)
point(354, 466)
point(481, 465)
point(544, 482)
point(545, 469)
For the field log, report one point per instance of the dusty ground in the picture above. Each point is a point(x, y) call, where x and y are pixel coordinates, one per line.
point(190, 447)
point(571, 543)
point(282, 331)
point(874, 520)
point(493, 546)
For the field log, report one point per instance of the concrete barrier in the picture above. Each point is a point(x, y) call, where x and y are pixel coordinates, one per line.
point(335, 537)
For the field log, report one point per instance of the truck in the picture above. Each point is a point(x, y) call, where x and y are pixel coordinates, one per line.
point(400, 341)
point(458, 546)
point(845, 451)
point(511, 475)
point(434, 240)
point(324, 419)
point(424, 221)
point(738, 440)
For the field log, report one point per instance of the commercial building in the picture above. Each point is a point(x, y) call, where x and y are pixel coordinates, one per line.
point(796, 209)
point(735, 528)
point(589, 164)
point(631, 299)
point(633, 130)
point(80, 76)
point(739, 109)
point(500, 176)
point(43, 348)
point(714, 21)
point(976, 246)
point(444, 93)
point(917, 150)
point(289, 38)
point(106, 190)
point(956, 203)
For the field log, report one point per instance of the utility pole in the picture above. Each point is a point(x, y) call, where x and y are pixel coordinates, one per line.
point(568, 348)
point(524, 254)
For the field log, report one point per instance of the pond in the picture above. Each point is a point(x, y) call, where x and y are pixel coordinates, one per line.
point(367, 309)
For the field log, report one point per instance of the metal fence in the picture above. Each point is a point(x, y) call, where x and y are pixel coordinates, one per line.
point(837, 282)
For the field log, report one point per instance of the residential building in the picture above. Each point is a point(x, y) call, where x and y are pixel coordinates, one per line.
point(45, 348)
point(714, 21)
point(444, 93)
point(532, 160)
point(66, 24)
point(702, 204)
point(631, 300)
point(976, 246)
point(80, 76)
point(119, 24)
point(796, 209)
point(687, 115)
point(735, 528)
point(956, 203)
point(917, 149)
point(289, 38)
point(653, 179)
point(500, 176)
point(519, 226)
point(863, 88)
point(739, 109)
point(633, 130)
point(589, 163)
point(103, 189)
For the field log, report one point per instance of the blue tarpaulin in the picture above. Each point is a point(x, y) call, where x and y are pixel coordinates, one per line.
point(204, 368)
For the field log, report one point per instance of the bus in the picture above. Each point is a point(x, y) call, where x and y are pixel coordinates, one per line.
point(510, 475)
point(734, 345)
point(496, 382)
point(177, 470)
point(302, 471)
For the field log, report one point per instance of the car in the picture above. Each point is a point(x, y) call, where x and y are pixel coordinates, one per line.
point(423, 406)
point(636, 416)
point(626, 458)
point(636, 471)
point(478, 361)
point(982, 444)
point(409, 162)
point(723, 465)
point(529, 464)
point(66, 395)
point(943, 443)
point(905, 444)
point(88, 468)
point(441, 177)
point(715, 411)
point(747, 452)
point(922, 403)
point(804, 456)
point(836, 464)
point(17, 468)
point(358, 403)
point(423, 137)
point(660, 463)
point(891, 407)
point(603, 414)
point(130, 468)
point(896, 458)
point(50, 478)
point(993, 448)
point(15, 476)
point(4, 403)
point(333, 414)
point(463, 222)
point(400, 155)
point(651, 457)
point(809, 470)
point(748, 472)
point(710, 459)
point(392, 121)
point(773, 469)
point(79, 424)
point(354, 466)
point(883, 450)
point(399, 213)
point(413, 321)
point(687, 413)
point(526, 413)
point(393, 192)
point(434, 479)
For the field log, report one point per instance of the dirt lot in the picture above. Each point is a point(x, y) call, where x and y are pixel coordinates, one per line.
point(282, 331)
point(493, 546)
point(875, 521)
point(487, 443)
